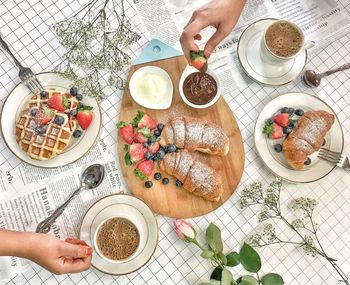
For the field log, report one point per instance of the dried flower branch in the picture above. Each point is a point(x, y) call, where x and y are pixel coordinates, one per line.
point(304, 225)
point(96, 38)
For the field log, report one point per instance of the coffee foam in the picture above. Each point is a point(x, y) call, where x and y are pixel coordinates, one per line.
point(117, 238)
point(283, 39)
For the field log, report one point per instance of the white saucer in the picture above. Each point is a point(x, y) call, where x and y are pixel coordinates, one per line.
point(16, 101)
point(275, 161)
point(261, 70)
point(126, 206)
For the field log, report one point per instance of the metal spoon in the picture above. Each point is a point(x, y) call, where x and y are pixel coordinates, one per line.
point(91, 178)
point(312, 79)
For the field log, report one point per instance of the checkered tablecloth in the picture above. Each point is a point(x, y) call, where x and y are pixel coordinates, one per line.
point(24, 24)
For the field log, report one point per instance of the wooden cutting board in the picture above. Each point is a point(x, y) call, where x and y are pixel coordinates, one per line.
point(170, 200)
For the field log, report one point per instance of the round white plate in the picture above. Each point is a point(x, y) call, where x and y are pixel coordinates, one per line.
point(275, 161)
point(145, 103)
point(114, 206)
point(17, 100)
point(262, 70)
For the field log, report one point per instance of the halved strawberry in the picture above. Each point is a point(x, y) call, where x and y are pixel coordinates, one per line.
point(137, 152)
point(199, 60)
point(58, 102)
point(143, 120)
point(281, 119)
point(273, 131)
point(84, 116)
point(142, 135)
point(43, 116)
point(144, 169)
point(126, 132)
point(154, 147)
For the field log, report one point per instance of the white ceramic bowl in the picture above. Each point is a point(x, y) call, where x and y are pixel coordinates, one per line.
point(146, 103)
point(190, 69)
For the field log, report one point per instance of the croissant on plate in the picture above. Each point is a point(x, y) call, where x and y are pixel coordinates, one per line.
point(197, 177)
point(307, 137)
point(195, 134)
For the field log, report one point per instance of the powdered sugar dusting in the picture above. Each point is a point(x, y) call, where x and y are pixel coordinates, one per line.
point(178, 126)
point(194, 130)
point(213, 137)
point(184, 165)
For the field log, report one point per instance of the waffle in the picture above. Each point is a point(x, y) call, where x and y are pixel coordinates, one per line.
point(44, 145)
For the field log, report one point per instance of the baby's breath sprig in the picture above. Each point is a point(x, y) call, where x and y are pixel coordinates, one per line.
point(303, 225)
point(96, 38)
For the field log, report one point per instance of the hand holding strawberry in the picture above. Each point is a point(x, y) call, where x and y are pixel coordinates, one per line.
point(199, 60)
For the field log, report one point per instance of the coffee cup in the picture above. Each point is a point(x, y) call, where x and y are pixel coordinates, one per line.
point(283, 41)
point(117, 247)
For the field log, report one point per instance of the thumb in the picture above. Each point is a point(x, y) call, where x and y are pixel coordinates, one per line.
point(215, 39)
point(75, 250)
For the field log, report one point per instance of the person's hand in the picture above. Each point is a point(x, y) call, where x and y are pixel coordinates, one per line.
point(58, 256)
point(221, 14)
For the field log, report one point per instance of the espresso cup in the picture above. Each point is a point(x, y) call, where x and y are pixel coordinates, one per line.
point(267, 52)
point(141, 227)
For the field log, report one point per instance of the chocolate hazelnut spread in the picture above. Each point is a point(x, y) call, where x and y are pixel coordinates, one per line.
point(199, 88)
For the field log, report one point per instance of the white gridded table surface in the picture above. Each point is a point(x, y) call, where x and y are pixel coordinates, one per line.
point(24, 24)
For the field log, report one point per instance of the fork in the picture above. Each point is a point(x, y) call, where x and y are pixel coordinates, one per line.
point(337, 158)
point(25, 73)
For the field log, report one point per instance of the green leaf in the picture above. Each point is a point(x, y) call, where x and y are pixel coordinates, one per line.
point(232, 259)
point(272, 279)
point(65, 102)
point(122, 124)
point(140, 174)
point(222, 258)
point(250, 279)
point(137, 119)
point(250, 259)
point(146, 132)
point(207, 254)
point(216, 274)
point(127, 157)
point(213, 236)
point(226, 277)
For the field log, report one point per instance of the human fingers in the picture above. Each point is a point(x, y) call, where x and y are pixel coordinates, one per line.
point(68, 249)
point(76, 265)
point(215, 39)
point(76, 241)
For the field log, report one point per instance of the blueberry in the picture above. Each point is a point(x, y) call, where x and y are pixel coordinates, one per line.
point(269, 121)
point(324, 142)
point(293, 124)
point(278, 147)
point(308, 161)
point(157, 133)
point(178, 183)
point(41, 130)
point(284, 110)
point(33, 111)
point(79, 97)
point(299, 112)
point(170, 148)
point(287, 130)
point(77, 133)
point(149, 155)
point(290, 111)
point(73, 91)
point(59, 120)
point(157, 176)
point(160, 153)
point(148, 184)
point(152, 139)
point(165, 181)
point(74, 112)
point(43, 94)
point(160, 127)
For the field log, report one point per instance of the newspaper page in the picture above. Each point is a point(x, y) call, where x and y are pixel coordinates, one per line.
point(41, 191)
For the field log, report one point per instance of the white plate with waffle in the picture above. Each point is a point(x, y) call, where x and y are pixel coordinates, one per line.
point(56, 147)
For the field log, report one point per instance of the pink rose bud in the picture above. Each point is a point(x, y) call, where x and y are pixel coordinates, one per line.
point(184, 229)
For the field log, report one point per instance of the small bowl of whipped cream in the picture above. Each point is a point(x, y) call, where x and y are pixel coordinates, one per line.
point(151, 87)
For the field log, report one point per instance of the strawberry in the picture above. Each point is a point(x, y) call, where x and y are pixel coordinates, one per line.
point(143, 120)
point(134, 152)
point(154, 147)
point(144, 169)
point(126, 132)
point(199, 60)
point(43, 116)
point(84, 116)
point(273, 131)
point(281, 119)
point(142, 135)
point(58, 102)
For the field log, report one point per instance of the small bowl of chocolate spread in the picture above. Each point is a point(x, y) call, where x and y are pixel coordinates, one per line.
point(199, 89)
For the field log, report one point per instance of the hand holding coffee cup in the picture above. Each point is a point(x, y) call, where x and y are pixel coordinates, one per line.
point(283, 41)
